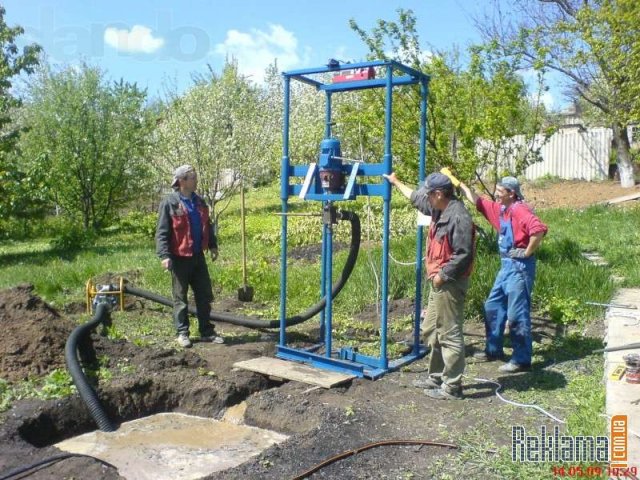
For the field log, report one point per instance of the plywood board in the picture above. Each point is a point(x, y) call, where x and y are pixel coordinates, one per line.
point(625, 198)
point(294, 371)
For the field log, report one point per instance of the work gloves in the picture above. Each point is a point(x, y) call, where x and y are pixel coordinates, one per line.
point(447, 172)
point(518, 253)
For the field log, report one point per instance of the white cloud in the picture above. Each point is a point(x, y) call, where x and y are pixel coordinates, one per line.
point(256, 50)
point(139, 39)
point(341, 54)
point(549, 100)
point(537, 93)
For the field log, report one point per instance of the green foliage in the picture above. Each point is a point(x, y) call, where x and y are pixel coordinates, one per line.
point(562, 310)
point(73, 238)
point(139, 222)
point(473, 110)
point(222, 127)
point(19, 193)
point(89, 137)
point(594, 47)
point(113, 333)
point(57, 384)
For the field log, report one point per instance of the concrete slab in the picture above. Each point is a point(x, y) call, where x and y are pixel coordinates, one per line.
point(173, 446)
point(623, 327)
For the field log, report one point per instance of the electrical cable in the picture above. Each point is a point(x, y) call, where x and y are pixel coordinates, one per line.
point(523, 405)
point(47, 462)
point(405, 264)
point(368, 446)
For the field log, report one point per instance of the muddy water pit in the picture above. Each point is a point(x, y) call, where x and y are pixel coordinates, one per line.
point(174, 446)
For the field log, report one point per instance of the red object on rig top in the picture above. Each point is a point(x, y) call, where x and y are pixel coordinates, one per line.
point(354, 75)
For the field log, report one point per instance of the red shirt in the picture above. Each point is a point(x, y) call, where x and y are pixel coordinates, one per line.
point(523, 221)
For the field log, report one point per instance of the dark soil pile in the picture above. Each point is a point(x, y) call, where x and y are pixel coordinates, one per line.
point(33, 335)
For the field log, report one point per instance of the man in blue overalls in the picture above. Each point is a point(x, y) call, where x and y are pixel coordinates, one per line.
point(520, 233)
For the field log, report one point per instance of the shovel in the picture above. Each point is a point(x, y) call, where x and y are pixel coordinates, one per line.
point(245, 293)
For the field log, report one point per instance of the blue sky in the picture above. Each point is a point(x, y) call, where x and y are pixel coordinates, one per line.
point(163, 43)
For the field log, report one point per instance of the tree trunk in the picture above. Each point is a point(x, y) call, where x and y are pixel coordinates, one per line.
point(623, 155)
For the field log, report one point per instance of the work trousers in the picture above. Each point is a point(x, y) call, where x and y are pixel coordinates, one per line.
point(442, 331)
point(191, 272)
point(510, 299)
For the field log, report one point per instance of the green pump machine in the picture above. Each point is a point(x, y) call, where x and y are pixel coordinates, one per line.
point(332, 179)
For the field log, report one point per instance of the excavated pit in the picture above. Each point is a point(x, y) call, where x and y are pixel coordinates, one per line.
point(137, 398)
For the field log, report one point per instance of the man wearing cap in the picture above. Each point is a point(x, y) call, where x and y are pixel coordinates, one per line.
point(183, 234)
point(520, 233)
point(449, 261)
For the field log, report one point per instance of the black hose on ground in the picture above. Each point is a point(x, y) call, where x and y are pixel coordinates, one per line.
point(294, 320)
point(85, 390)
point(47, 462)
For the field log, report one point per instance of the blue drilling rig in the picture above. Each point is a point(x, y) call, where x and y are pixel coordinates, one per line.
point(330, 180)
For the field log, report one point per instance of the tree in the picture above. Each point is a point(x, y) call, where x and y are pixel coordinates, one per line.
point(593, 44)
point(306, 116)
point(90, 137)
point(473, 110)
point(14, 198)
point(222, 127)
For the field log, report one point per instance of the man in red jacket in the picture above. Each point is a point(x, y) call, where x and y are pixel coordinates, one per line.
point(520, 233)
point(449, 262)
point(183, 234)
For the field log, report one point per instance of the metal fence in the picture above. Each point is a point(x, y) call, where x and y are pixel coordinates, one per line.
point(570, 153)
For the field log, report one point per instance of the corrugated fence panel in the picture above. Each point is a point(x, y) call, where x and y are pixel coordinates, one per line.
point(574, 154)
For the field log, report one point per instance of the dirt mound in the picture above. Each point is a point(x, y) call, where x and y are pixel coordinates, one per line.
point(33, 335)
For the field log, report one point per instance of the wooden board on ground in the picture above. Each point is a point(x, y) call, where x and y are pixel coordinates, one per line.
point(294, 371)
point(625, 198)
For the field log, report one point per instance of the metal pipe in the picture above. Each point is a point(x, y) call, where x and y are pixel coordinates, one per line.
point(420, 233)
point(284, 195)
point(323, 287)
point(629, 346)
point(327, 127)
point(387, 168)
point(243, 237)
point(613, 305)
point(328, 268)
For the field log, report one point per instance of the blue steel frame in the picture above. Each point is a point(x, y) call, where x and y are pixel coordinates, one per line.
point(349, 361)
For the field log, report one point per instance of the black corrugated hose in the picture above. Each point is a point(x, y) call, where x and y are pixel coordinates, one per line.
point(85, 390)
point(294, 320)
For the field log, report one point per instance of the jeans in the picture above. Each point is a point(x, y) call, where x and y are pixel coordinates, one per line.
point(191, 272)
point(510, 299)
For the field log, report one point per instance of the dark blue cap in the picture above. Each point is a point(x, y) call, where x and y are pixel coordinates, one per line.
point(438, 181)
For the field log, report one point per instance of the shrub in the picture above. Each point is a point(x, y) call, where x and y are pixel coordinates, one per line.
point(139, 222)
point(74, 238)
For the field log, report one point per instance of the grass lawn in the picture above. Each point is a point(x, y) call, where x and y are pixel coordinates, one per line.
point(564, 282)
